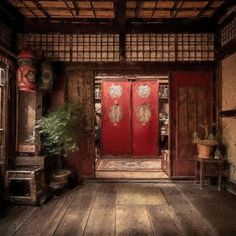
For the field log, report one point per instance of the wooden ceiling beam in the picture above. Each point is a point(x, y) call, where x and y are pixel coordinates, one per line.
point(28, 8)
point(138, 8)
point(120, 12)
point(154, 9)
point(68, 7)
point(9, 15)
point(94, 13)
point(222, 11)
point(176, 8)
point(39, 6)
point(75, 7)
point(207, 7)
point(110, 9)
point(138, 26)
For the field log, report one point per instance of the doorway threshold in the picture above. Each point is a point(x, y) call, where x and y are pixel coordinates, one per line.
point(127, 168)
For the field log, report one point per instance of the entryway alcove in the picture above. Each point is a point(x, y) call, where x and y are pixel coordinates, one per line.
point(132, 126)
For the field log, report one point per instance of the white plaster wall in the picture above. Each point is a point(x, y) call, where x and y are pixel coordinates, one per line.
point(229, 102)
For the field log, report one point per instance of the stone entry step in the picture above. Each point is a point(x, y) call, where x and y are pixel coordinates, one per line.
point(127, 168)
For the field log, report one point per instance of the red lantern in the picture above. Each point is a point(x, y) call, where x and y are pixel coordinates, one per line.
point(26, 72)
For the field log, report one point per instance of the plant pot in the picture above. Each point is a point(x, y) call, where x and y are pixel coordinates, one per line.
point(204, 151)
point(60, 179)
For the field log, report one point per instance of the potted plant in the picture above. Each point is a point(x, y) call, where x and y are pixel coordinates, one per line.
point(60, 130)
point(205, 146)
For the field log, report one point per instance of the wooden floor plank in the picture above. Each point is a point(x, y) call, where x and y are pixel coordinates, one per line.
point(105, 196)
point(191, 220)
point(101, 222)
point(16, 217)
point(127, 209)
point(56, 218)
point(132, 220)
point(133, 194)
point(41, 217)
point(76, 216)
point(164, 221)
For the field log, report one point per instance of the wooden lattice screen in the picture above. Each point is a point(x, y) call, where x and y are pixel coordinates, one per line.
point(170, 47)
point(195, 47)
point(105, 47)
point(228, 32)
point(95, 47)
point(75, 47)
point(5, 35)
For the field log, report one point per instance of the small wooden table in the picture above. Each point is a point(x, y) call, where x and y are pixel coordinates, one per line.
point(208, 167)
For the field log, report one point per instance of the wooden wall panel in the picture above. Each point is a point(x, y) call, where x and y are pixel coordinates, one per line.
point(79, 89)
point(191, 105)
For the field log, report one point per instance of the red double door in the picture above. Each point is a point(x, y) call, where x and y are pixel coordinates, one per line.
point(129, 119)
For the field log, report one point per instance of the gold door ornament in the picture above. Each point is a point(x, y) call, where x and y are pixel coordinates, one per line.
point(144, 113)
point(115, 91)
point(144, 91)
point(115, 114)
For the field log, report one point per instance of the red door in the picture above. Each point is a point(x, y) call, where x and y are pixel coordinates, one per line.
point(191, 104)
point(122, 135)
point(116, 118)
point(144, 119)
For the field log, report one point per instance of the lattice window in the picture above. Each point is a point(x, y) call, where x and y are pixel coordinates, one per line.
point(150, 47)
point(55, 46)
point(195, 47)
point(228, 32)
point(170, 47)
point(95, 47)
point(5, 35)
point(76, 47)
point(139, 47)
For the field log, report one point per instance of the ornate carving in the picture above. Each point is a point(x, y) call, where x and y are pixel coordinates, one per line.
point(144, 113)
point(115, 91)
point(144, 91)
point(115, 114)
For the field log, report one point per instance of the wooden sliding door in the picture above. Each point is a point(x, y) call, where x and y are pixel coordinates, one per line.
point(129, 119)
point(144, 119)
point(116, 118)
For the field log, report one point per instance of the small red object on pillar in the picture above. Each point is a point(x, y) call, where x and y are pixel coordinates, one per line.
point(26, 72)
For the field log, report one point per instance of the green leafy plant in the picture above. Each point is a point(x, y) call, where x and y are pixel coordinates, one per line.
point(60, 130)
point(208, 139)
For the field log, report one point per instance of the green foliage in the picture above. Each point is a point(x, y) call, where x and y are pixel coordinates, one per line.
point(209, 138)
point(60, 129)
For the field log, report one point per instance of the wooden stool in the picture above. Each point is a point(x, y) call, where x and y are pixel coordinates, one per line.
point(208, 167)
point(34, 178)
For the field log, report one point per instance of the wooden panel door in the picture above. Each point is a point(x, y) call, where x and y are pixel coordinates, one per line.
point(191, 104)
point(116, 118)
point(144, 119)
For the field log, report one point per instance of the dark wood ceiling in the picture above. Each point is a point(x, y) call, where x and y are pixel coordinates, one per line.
point(107, 9)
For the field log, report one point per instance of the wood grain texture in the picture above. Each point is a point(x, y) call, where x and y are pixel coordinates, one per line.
point(76, 216)
point(132, 220)
point(93, 209)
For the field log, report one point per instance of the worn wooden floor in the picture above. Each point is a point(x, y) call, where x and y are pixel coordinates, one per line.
point(128, 209)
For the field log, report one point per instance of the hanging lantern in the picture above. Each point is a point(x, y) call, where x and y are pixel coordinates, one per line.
point(26, 72)
point(46, 77)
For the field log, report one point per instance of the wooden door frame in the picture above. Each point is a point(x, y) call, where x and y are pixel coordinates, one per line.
point(141, 75)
